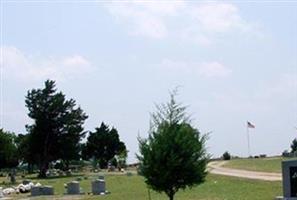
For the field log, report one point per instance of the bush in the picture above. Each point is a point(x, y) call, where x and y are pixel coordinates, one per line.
point(294, 145)
point(226, 156)
point(286, 153)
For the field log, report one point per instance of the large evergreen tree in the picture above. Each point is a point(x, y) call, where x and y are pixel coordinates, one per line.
point(57, 127)
point(103, 145)
point(174, 156)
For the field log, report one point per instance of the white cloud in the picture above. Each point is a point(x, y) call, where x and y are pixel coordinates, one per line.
point(193, 35)
point(212, 69)
point(160, 7)
point(75, 60)
point(143, 18)
point(285, 87)
point(271, 96)
point(18, 65)
point(211, 21)
point(197, 22)
point(217, 17)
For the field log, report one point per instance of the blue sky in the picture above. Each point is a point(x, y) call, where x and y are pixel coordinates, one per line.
point(234, 61)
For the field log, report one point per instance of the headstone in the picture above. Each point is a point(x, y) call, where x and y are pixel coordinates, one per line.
point(289, 172)
point(1, 192)
point(42, 190)
point(36, 191)
point(98, 187)
point(48, 190)
point(68, 173)
point(73, 188)
point(12, 176)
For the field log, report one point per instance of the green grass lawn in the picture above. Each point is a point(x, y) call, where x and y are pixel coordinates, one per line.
point(216, 187)
point(272, 164)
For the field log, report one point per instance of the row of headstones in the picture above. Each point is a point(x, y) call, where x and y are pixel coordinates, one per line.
point(73, 188)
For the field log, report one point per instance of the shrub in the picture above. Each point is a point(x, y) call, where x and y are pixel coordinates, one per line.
point(226, 156)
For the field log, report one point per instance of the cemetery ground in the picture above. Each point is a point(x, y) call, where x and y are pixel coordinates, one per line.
point(270, 164)
point(217, 187)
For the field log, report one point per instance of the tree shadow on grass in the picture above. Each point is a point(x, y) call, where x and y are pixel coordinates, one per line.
point(56, 177)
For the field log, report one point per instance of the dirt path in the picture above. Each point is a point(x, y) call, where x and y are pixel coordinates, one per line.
point(216, 167)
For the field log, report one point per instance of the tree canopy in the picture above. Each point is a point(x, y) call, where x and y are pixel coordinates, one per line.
point(294, 146)
point(57, 127)
point(103, 144)
point(174, 155)
point(8, 150)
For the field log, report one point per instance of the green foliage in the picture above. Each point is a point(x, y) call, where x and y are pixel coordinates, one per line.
point(294, 145)
point(121, 158)
point(174, 155)
point(286, 153)
point(57, 128)
point(103, 145)
point(8, 150)
point(226, 156)
point(114, 162)
point(25, 151)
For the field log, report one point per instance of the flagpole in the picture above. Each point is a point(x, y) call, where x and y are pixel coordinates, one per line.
point(248, 139)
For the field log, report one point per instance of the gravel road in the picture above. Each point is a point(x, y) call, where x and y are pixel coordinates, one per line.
point(216, 167)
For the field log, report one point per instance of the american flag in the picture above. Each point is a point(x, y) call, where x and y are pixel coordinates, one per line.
point(250, 125)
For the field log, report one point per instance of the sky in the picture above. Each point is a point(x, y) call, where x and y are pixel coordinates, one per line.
point(233, 62)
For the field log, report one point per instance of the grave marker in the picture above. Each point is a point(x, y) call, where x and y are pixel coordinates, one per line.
point(289, 173)
point(73, 188)
point(98, 187)
point(42, 190)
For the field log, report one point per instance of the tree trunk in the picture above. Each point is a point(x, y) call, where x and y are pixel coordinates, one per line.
point(170, 194)
point(12, 176)
point(42, 173)
point(42, 170)
point(44, 162)
point(67, 165)
point(30, 168)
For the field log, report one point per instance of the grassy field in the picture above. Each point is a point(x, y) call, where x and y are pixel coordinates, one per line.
point(272, 164)
point(134, 188)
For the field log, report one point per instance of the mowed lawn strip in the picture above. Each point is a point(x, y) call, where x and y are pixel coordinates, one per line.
point(272, 164)
point(133, 188)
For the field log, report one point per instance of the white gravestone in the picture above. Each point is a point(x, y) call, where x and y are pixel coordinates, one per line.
point(36, 191)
